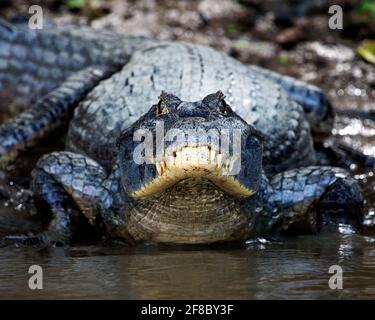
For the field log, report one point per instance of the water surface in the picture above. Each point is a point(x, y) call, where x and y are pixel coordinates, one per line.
point(294, 268)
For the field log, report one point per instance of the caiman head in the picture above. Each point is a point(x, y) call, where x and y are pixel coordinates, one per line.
point(188, 168)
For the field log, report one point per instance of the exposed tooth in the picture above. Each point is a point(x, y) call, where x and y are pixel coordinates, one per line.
point(158, 168)
point(194, 156)
point(163, 167)
point(231, 165)
point(204, 156)
point(226, 166)
point(212, 156)
point(196, 159)
point(219, 160)
point(186, 153)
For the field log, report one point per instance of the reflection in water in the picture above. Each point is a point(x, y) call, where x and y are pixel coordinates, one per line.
point(296, 268)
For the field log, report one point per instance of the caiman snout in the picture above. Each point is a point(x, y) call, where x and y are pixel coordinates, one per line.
point(182, 140)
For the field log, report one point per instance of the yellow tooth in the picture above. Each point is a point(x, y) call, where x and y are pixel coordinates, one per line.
point(186, 153)
point(163, 167)
point(212, 156)
point(158, 168)
point(194, 157)
point(225, 166)
point(219, 160)
point(203, 156)
point(231, 165)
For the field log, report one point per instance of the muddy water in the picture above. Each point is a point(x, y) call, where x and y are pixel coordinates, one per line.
point(296, 268)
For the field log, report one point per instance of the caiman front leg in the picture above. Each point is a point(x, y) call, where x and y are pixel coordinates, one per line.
point(313, 199)
point(66, 184)
point(47, 114)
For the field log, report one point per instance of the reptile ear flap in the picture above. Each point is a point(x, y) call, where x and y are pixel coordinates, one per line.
point(216, 101)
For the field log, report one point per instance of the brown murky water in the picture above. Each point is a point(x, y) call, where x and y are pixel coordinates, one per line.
point(296, 268)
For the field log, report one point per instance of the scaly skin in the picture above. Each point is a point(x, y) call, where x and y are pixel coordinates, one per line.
point(34, 63)
point(191, 72)
point(96, 175)
point(296, 201)
point(45, 115)
point(299, 200)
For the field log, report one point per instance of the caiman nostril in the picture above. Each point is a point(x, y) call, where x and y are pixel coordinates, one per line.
point(193, 113)
point(192, 110)
point(192, 120)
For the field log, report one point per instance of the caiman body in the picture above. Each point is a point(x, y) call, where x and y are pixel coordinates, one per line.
point(111, 81)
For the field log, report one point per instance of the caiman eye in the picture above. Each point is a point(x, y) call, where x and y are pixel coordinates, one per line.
point(161, 108)
point(167, 102)
point(216, 101)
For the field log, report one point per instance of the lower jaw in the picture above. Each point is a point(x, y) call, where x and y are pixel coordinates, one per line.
point(170, 175)
point(192, 212)
point(180, 233)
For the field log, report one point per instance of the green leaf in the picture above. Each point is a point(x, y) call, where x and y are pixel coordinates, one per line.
point(367, 51)
point(231, 27)
point(282, 58)
point(75, 4)
point(367, 6)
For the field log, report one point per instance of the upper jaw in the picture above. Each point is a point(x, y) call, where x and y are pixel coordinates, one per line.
point(195, 161)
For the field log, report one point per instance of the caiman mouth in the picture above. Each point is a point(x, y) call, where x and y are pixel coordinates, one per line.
point(197, 161)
